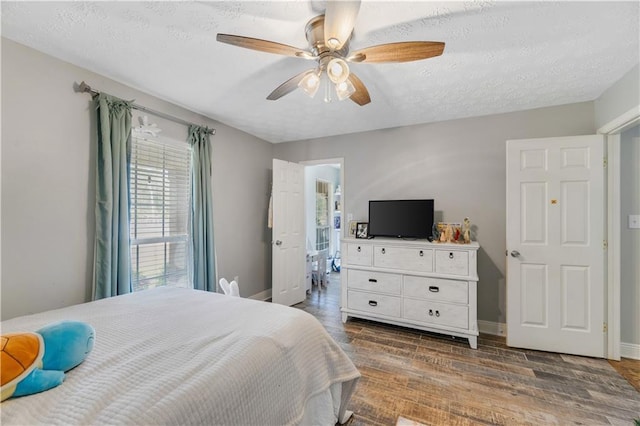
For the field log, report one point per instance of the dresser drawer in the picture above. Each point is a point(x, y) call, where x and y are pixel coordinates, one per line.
point(437, 289)
point(374, 303)
point(375, 282)
point(408, 258)
point(454, 262)
point(359, 254)
point(436, 313)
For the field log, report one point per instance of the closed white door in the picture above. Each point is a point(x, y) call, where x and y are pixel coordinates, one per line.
point(555, 245)
point(288, 238)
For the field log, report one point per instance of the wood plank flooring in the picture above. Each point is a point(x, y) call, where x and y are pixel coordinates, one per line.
point(435, 379)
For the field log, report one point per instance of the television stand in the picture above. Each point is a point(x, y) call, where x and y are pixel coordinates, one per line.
point(419, 284)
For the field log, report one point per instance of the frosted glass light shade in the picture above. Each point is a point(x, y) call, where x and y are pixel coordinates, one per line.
point(337, 70)
point(345, 89)
point(310, 84)
point(339, 18)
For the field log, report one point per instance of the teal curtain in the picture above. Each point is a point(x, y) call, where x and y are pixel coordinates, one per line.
point(112, 265)
point(204, 272)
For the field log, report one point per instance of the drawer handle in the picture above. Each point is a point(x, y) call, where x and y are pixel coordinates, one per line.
point(437, 313)
point(421, 253)
point(373, 280)
point(434, 289)
point(359, 249)
point(383, 251)
point(431, 312)
point(450, 255)
point(373, 303)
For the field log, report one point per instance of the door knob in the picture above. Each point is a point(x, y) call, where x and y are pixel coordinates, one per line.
point(515, 253)
point(278, 242)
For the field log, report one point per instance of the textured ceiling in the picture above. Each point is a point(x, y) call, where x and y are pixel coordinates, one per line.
point(499, 57)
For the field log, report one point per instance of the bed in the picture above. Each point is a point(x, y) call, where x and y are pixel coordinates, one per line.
point(181, 356)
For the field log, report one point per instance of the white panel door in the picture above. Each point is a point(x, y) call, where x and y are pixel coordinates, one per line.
point(288, 241)
point(555, 245)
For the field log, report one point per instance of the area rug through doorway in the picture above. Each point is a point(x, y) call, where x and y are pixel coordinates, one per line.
point(403, 421)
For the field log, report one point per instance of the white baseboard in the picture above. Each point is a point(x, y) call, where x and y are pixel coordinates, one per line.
point(490, 327)
point(263, 295)
point(629, 350)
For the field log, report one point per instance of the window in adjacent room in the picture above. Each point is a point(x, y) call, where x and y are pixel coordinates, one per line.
point(160, 226)
point(322, 215)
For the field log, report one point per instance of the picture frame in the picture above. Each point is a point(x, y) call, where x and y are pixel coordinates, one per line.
point(362, 230)
point(455, 229)
point(352, 228)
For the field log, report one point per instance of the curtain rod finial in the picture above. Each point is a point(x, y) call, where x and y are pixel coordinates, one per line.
point(83, 87)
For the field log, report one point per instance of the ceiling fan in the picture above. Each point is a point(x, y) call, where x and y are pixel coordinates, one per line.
point(329, 36)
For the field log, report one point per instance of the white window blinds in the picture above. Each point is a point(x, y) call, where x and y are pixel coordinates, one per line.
point(160, 225)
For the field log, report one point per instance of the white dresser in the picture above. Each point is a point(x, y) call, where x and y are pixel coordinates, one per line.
point(418, 284)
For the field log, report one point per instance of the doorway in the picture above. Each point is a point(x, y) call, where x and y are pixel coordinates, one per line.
point(629, 242)
point(324, 219)
point(613, 130)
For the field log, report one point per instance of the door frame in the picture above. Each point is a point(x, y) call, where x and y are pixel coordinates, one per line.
point(342, 188)
point(612, 131)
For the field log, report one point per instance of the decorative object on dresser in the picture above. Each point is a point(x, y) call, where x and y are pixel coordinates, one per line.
point(466, 230)
point(361, 230)
point(418, 284)
point(454, 232)
point(352, 228)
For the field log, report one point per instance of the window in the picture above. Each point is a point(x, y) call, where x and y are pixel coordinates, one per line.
point(322, 215)
point(160, 219)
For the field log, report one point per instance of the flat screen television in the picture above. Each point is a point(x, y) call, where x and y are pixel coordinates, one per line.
point(400, 218)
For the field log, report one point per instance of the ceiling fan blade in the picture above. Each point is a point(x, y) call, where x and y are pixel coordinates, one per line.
point(288, 86)
point(361, 95)
point(404, 51)
point(339, 19)
point(264, 46)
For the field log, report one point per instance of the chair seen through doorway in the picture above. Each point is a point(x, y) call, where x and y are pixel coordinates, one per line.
point(319, 269)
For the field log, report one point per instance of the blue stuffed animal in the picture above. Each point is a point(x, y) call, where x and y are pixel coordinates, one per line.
point(36, 362)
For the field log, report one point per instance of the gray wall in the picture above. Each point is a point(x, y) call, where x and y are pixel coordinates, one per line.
point(629, 238)
point(48, 140)
point(619, 98)
point(460, 163)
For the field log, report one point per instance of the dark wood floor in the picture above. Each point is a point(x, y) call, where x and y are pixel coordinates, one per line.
point(435, 379)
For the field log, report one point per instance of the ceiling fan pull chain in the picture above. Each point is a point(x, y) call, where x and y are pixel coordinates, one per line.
point(327, 88)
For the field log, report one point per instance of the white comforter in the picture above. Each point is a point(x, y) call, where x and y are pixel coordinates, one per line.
point(178, 356)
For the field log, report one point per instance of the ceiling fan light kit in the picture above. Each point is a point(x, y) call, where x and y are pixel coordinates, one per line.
point(340, 17)
point(329, 36)
point(310, 83)
point(337, 70)
point(345, 89)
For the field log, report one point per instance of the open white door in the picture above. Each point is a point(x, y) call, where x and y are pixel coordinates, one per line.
point(288, 249)
point(556, 278)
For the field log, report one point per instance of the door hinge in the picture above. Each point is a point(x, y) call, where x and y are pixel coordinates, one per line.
point(605, 328)
point(604, 162)
point(605, 244)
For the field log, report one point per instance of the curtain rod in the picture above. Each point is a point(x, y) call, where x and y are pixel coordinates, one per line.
point(85, 88)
